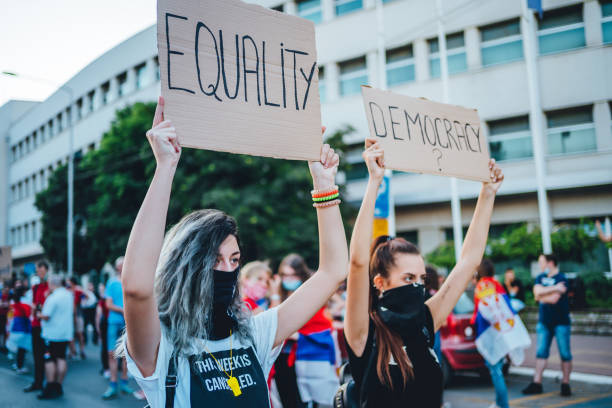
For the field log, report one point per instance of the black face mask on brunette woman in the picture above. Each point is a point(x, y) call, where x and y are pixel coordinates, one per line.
point(402, 310)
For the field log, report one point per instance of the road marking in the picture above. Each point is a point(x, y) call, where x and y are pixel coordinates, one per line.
point(579, 400)
point(517, 401)
point(588, 378)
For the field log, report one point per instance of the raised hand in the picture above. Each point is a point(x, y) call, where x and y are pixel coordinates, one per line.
point(324, 171)
point(374, 157)
point(163, 139)
point(497, 177)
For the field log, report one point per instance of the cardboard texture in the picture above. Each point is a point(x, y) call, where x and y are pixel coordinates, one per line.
point(6, 262)
point(271, 108)
point(427, 137)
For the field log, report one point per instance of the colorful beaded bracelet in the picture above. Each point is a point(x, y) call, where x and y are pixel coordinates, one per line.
point(327, 204)
point(326, 198)
point(325, 191)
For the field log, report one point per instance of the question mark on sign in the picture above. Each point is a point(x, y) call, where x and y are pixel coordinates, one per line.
point(438, 157)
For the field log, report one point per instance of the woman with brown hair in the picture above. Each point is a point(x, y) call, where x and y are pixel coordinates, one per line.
point(305, 369)
point(387, 317)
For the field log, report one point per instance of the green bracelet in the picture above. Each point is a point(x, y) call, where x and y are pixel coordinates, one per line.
point(326, 198)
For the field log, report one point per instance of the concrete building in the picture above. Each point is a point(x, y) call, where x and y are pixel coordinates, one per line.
point(487, 71)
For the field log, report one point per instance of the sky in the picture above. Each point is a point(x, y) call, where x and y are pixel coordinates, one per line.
point(54, 39)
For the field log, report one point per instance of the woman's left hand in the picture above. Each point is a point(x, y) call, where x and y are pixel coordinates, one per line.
point(496, 178)
point(324, 171)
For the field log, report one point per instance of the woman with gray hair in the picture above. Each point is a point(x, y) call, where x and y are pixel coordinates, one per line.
point(189, 339)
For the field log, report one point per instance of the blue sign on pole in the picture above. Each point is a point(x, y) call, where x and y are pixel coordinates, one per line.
point(381, 209)
point(29, 268)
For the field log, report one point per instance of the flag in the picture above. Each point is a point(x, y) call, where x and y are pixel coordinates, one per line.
point(535, 5)
point(499, 329)
point(315, 361)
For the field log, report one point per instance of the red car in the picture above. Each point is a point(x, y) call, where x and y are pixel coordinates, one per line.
point(459, 351)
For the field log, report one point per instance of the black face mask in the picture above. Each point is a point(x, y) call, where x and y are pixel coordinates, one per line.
point(402, 309)
point(222, 320)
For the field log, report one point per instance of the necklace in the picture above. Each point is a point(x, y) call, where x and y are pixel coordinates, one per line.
point(232, 381)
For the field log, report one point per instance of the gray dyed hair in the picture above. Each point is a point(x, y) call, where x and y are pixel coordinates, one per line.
point(184, 279)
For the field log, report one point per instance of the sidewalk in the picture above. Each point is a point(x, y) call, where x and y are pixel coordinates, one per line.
point(591, 355)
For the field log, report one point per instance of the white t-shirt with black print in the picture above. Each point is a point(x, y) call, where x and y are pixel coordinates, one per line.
point(202, 383)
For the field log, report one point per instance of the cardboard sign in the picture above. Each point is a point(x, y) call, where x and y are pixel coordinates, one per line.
point(6, 262)
point(240, 78)
point(427, 137)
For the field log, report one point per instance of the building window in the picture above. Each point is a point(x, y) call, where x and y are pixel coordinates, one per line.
point(157, 74)
point(353, 74)
point(60, 123)
point(90, 101)
point(347, 6)
point(322, 87)
point(141, 71)
point(34, 185)
point(400, 65)
point(571, 131)
point(79, 109)
point(123, 84)
point(35, 139)
point(34, 231)
point(13, 153)
point(27, 144)
point(13, 192)
point(51, 128)
point(356, 171)
point(310, 9)
point(41, 177)
point(501, 42)
point(455, 55)
point(606, 21)
point(510, 138)
point(560, 30)
point(105, 93)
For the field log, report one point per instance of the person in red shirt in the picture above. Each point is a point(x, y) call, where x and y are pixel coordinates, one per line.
point(39, 294)
point(20, 328)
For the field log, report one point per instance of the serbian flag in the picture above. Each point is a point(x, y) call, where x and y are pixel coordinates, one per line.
point(315, 360)
point(499, 329)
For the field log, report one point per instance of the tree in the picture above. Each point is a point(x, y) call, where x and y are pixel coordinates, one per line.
point(269, 198)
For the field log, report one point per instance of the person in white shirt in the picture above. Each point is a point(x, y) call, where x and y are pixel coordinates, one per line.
point(182, 305)
point(57, 330)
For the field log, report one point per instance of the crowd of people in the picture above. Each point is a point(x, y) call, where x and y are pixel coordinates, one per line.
point(194, 326)
point(50, 318)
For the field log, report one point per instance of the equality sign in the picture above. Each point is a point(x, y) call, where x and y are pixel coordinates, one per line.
point(239, 78)
point(427, 137)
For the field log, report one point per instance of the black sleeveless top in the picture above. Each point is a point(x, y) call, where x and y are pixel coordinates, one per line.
point(423, 391)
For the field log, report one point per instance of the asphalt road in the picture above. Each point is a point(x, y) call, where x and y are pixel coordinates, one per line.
point(84, 385)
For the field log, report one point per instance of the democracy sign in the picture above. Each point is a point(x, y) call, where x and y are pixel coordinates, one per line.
point(239, 78)
point(422, 136)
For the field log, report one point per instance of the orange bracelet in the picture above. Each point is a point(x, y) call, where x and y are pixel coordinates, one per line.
point(324, 192)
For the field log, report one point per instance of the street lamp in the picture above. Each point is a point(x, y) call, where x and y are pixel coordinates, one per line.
point(70, 224)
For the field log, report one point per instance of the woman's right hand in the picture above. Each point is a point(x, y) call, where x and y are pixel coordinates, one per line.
point(163, 139)
point(374, 157)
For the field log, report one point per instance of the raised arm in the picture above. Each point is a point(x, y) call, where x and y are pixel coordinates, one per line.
point(144, 246)
point(443, 302)
point(333, 256)
point(604, 238)
point(356, 322)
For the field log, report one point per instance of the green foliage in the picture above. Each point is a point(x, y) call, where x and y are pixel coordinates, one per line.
point(598, 289)
point(520, 244)
point(443, 256)
point(269, 198)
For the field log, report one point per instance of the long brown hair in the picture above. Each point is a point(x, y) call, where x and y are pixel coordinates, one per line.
point(382, 258)
point(298, 264)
